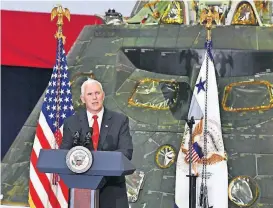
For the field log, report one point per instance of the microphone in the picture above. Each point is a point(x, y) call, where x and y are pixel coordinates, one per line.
point(87, 138)
point(76, 139)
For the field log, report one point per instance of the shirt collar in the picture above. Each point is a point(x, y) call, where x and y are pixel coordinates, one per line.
point(99, 114)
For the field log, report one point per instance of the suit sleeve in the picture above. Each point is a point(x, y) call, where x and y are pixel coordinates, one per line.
point(67, 141)
point(125, 144)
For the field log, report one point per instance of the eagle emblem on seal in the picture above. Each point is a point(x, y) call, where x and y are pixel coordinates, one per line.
point(79, 159)
point(215, 146)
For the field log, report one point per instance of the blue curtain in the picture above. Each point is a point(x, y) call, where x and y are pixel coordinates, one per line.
point(21, 89)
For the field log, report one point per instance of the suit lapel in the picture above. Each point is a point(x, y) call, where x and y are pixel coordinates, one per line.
point(85, 126)
point(105, 126)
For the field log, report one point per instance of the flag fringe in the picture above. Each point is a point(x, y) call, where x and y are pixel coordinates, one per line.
point(31, 204)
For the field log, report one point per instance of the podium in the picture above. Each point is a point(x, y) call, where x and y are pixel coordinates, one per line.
point(105, 163)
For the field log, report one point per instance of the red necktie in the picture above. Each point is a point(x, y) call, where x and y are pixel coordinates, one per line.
point(96, 132)
point(82, 197)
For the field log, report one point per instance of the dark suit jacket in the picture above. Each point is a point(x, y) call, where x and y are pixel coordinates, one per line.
point(114, 136)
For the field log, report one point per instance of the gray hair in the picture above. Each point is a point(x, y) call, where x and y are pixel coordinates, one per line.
point(90, 81)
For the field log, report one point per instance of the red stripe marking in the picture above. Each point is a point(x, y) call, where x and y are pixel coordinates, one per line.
point(45, 182)
point(64, 189)
point(34, 196)
point(195, 158)
point(45, 145)
point(58, 136)
point(43, 140)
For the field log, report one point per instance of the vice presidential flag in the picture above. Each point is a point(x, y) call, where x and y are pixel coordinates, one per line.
point(47, 190)
point(217, 173)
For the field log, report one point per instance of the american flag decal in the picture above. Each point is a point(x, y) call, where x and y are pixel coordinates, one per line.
point(196, 154)
point(47, 190)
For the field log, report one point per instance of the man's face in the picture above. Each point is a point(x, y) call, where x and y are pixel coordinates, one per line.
point(93, 98)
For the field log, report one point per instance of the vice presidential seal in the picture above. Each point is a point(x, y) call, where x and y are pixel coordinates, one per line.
point(79, 159)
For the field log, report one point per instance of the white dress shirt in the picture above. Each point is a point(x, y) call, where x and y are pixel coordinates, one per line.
point(91, 120)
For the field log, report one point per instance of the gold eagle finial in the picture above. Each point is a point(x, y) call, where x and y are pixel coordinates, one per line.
point(60, 12)
point(209, 17)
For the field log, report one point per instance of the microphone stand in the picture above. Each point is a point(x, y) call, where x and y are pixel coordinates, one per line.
point(76, 139)
point(192, 177)
point(87, 139)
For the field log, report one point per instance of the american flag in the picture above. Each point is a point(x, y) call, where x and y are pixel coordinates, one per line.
point(47, 190)
point(196, 154)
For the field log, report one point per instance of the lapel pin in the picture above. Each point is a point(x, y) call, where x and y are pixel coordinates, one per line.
point(106, 126)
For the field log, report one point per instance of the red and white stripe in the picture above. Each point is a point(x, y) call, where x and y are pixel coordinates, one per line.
point(43, 194)
point(194, 156)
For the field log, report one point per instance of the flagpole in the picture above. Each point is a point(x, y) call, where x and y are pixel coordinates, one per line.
point(208, 18)
point(192, 177)
point(60, 13)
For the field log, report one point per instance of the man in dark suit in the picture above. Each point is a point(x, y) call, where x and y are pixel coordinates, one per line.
point(110, 133)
